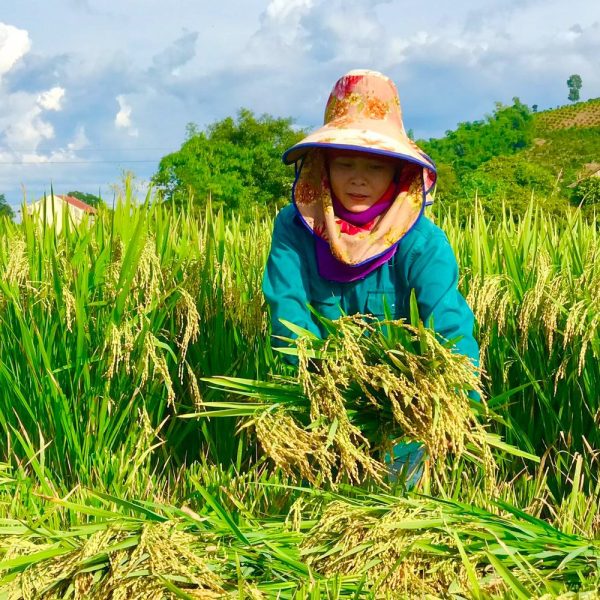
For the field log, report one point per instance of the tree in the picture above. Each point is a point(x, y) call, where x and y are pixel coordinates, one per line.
point(235, 163)
point(508, 130)
point(574, 82)
point(507, 182)
point(5, 208)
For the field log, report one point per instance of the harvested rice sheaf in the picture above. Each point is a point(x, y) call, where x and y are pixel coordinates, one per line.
point(422, 547)
point(397, 559)
point(372, 385)
point(127, 566)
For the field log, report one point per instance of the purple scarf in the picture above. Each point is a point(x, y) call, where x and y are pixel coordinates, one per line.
point(334, 270)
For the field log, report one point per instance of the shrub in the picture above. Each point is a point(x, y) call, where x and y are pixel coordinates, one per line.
point(587, 191)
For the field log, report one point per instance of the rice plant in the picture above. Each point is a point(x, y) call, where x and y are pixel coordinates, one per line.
point(534, 287)
point(112, 331)
point(360, 545)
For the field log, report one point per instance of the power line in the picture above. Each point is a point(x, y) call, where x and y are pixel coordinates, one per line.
point(96, 148)
point(75, 162)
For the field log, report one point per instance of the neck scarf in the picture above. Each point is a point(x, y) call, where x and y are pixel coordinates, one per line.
point(355, 248)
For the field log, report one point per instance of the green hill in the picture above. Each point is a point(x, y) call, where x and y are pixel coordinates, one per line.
point(580, 115)
point(567, 142)
point(514, 153)
point(502, 160)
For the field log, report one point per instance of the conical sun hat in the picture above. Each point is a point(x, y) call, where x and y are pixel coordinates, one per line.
point(363, 113)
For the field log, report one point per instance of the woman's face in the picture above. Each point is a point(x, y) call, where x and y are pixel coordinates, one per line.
point(359, 179)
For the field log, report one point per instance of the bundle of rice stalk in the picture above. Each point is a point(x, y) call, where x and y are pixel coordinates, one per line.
point(398, 550)
point(366, 387)
point(414, 547)
point(156, 561)
point(141, 549)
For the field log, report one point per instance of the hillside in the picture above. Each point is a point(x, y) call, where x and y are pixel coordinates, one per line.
point(579, 115)
point(514, 153)
point(567, 141)
point(570, 154)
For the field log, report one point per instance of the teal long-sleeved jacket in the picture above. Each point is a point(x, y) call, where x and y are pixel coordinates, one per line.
point(424, 262)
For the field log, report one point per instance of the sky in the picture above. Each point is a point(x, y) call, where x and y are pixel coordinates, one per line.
point(92, 89)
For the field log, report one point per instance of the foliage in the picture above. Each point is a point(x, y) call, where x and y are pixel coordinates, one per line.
point(407, 546)
point(574, 83)
point(372, 390)
point(475, 161)
point(580, 115)
point(565, 150)
point(508, 130)
point(149, 298)
point(509, 183)
point(587, 191)
point(5, 208)
point(234, 163)
point(569, 154)
point(504, 183)
point(448, 187)
point(465, 540)
point(532, 286)
point(100, 341)
point(226, 163)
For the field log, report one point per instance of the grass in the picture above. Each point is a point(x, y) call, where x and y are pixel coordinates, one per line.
point(106, 334)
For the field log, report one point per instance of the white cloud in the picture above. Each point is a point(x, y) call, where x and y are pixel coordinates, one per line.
point(22, 126)
point(28, 132)
point(79, 141)
point(27, 137)
point(286, 12)
point(175, 56)
point(14, 44)
point(28, 129)
point(200, 62)
point(282, 34)
point(51, 99)
point(123, 117)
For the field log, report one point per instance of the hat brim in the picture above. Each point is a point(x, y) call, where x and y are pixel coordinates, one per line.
point(364, 140)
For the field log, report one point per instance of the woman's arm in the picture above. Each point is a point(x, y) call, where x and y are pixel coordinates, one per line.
point(433, 274)
point(285, 282)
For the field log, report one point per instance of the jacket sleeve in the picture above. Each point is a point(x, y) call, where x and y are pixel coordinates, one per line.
point(286, 281)
point(433, 274)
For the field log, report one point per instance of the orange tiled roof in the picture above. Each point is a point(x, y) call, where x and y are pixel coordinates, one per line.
point(78, 204)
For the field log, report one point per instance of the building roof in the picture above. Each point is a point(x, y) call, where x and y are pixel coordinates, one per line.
point(78, 203)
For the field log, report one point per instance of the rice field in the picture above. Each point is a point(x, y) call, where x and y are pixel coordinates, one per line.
point(143, 413)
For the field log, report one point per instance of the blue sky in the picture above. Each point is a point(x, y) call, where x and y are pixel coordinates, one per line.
point(89, 89)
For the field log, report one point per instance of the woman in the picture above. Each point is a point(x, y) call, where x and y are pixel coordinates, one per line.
point(355, 239)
